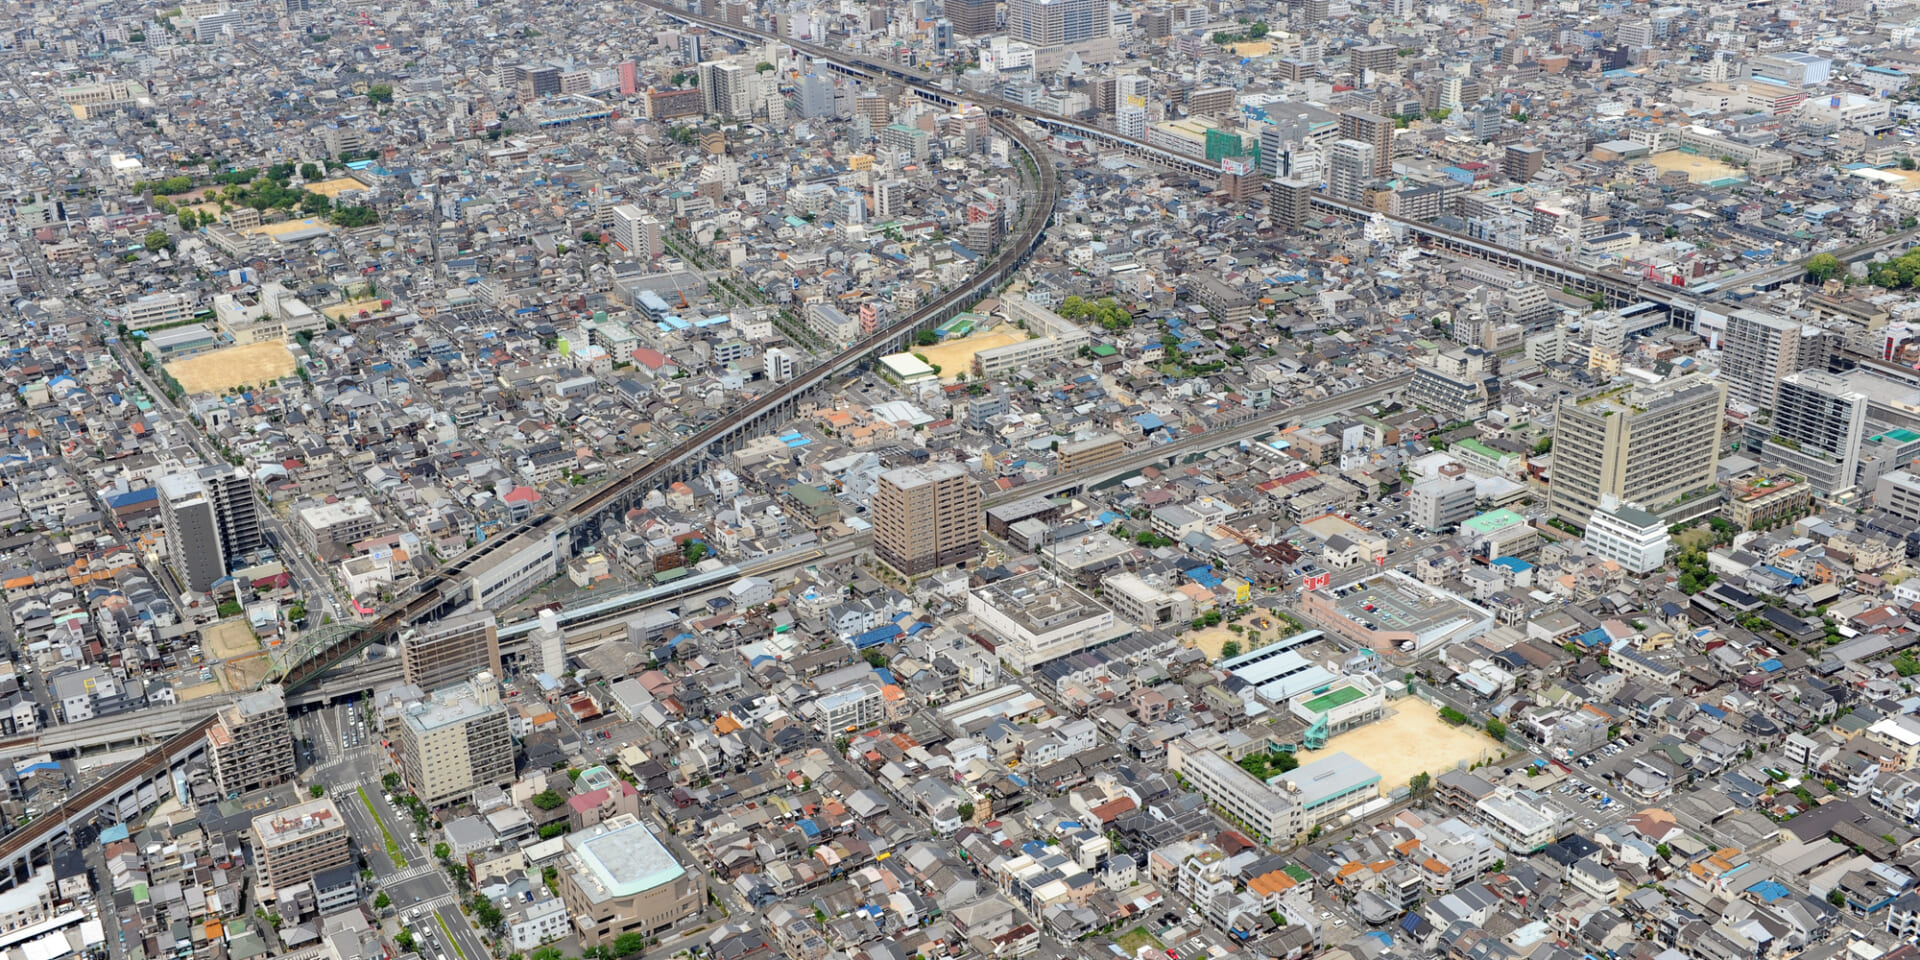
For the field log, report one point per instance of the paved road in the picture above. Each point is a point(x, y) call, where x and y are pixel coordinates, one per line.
point(314, 583)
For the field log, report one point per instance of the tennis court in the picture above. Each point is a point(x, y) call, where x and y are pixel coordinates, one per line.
point(1335, 698)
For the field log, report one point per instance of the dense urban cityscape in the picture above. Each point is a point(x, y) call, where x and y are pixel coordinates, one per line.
point(960, 480)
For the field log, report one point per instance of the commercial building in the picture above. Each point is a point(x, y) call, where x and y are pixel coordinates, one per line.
point(456, 741)
point(926, 517)
point(972, 18)
point(291, 845)
point(617, 878)
point(193, 531)
point(251, 743)
point(450, 651)
point(1405, 613)
point(1646, 445)
point(1631, 537)
point(1265, 812)
point(1038, 619)
point(1818, 426)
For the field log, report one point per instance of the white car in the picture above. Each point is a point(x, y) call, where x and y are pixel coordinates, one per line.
point(1326, 914)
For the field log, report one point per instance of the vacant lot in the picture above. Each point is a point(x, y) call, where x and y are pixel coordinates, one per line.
point(222, 370)
point(247, 672)
point(337, 310)
point(229, 639)
point(1413, 740)
point(197, 691)
point(956, 356)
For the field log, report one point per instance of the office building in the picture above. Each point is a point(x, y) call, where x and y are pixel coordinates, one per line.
point(1375, 131)
point(332, 529)
point(1439, 503)
point(1350, 166)
point(972, 18)
point(1646, 445)
point(450, 651)
point(1290, 202)
point(1631, 537)
point(251, 743)
point(926, 517)
point(1053, 23)
point(293, 844)
point(1760, 350)
point(193, 531)
point(455, 741)
point(617, 878)
point(1819, 424)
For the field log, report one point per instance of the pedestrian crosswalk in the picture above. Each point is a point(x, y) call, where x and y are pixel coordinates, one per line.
point(409, 873)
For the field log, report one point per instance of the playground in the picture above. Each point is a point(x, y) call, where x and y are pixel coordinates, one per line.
point(1409, 741)
point(1259, 625)
point(222, 370)
point(956, 356)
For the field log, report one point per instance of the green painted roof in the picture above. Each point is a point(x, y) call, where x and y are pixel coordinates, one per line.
point(1494, 520)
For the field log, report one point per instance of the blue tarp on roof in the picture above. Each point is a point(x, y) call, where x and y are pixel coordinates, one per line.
point(1769, 890)
point(875, 637)
point(113, 834)
point(1713, 711)
point(1771, 666)
point(133, 498)
point(1204, 576)
point(809, 828)
point(1593, 638)
point(1034, 848)
point(886, 676)
point(1514, 564)
point(1149, 422)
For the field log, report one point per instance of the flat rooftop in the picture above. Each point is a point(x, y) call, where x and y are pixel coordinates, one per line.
point(622, 857)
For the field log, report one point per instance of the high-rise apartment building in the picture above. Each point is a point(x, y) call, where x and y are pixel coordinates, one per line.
point(1374, 130)
point(926, 517)
point(450, 651)
point(236, 512)
point(636, 231)
point(1521, 162)
point(1647, 445)
point(815, 94)
point(455, 741)
point(1290, 202)
point(723, 89)
point(1349, 169)
point(1052, 23)
point(972, 18)
point(1819, 423)
point(251, 744)
point(889, 199)
point(193, 531)
point(1377, 57)
point(291, 845)
point(1760, 350)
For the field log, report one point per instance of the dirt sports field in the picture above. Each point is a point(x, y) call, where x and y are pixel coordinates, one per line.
point(222, 370)
point(956, 356)
point(1699, 169)
point(1413, 740)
